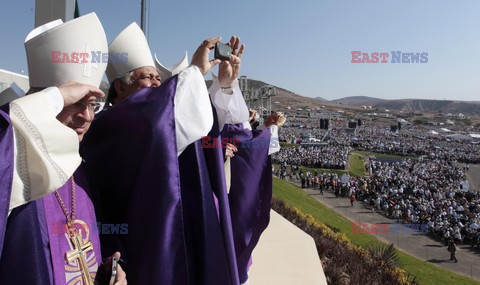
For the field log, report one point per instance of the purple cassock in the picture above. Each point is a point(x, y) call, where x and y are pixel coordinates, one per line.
point(175, 233)
point(33, 240)
point(250, 191)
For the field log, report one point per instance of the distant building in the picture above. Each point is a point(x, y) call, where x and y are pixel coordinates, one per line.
point(7, 77)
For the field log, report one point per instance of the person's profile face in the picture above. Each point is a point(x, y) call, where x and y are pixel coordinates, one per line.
point(146, 76)
point(142, 77)
point(79, 116)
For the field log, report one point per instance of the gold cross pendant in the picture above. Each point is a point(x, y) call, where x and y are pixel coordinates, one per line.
point(79, 253)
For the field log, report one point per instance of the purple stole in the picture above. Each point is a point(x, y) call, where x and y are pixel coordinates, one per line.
point(34, 246)
point(131, 157)
point(59, 240)
point(250, 191)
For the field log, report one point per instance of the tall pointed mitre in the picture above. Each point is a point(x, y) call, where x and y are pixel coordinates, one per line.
point(165, 72)
point(11, 93)
point(131, 41)
point(81, 35)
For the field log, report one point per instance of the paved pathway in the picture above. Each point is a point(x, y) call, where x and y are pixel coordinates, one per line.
point(473, 176)
point(414, 243)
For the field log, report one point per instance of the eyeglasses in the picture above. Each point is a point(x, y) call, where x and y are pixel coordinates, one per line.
point(92, 106)
point(150, 77)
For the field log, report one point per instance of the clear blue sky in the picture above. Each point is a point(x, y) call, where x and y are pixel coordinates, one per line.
point(305, 45)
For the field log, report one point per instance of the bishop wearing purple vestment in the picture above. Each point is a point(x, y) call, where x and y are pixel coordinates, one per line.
point(54, 239)
point(144, 155)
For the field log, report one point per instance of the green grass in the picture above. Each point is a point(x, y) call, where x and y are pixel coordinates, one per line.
point(427, 273)
point(284, 144)
point(356, 166)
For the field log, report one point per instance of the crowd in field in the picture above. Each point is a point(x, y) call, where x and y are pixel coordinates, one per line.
point(427, 190)
point(418, 191)
point(411, 140)
point(331, 157)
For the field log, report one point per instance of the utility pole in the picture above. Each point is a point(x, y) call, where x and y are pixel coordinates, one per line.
point(144, 18)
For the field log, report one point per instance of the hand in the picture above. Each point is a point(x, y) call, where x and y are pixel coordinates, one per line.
point(200, 57)
point(281, 120)
point(230, 150)
point(228, 71)
point(278, 119)
point(271, 120)
point(72, 92)
point(252, 116)
point(121, 278)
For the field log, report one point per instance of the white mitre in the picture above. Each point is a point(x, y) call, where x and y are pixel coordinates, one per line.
point(166, 73)
point(81, 35)
point(131, 41)
point(11, 93)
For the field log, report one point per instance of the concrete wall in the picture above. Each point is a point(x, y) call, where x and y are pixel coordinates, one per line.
point(285, 255)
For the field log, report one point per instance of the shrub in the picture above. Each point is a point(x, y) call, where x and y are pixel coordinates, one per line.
point(343, 262)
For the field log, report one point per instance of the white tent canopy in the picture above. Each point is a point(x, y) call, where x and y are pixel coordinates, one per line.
point(459, 137)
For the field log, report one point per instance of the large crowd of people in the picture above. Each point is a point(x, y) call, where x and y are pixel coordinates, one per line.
point(330, 157)
point(424, 192)
point(426, 187)
point(411, 140)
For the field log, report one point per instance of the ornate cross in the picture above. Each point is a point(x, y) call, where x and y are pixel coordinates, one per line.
point(79, 253)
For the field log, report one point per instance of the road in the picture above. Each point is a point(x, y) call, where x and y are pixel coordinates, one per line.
point(414, 243)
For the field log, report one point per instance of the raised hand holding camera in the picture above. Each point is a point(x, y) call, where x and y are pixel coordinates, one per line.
point(229, 69)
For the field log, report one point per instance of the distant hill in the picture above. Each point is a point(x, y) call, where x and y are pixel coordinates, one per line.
point(358, 101)
point(414, 105)
point(285, 98)
point(434, 106)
